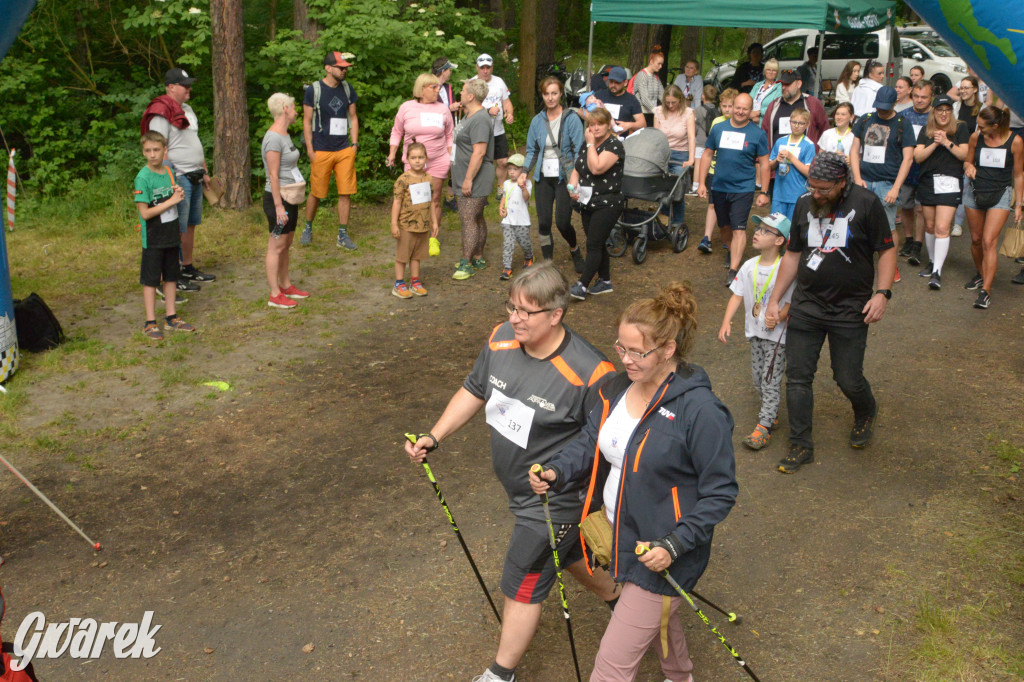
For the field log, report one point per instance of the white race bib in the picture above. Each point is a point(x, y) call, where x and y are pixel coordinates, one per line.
point(946, 184)
point(838, 235)
point(170, 215)
point(419, 192)
point(992, 158)
point(614, 110)
point(431, 120)
point(874, 154)
point(297, 175)
point(549, 168)
point(917, 132)
point(585, 194)
point(784, 127)
point(814, 261)
point(339, 126)
point(732, 140)
point(509, 417)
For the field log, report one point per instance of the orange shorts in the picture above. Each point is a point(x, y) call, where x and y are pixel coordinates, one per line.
point(342, 164)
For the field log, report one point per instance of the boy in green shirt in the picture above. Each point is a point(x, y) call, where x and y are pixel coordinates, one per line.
point(157, 197)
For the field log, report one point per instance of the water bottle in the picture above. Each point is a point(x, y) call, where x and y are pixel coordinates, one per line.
point(783, 166)
point(839, 146)
point(279, 227)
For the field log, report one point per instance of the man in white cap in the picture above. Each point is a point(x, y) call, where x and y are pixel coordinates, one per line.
point(499, 105)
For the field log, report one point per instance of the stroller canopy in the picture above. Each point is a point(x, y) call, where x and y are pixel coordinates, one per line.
point(647, 153)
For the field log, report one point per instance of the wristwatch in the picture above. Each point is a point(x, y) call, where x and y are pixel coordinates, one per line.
point(885, 292)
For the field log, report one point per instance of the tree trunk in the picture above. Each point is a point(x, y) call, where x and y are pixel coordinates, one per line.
point(689, 46)
point(527, 54)
point(231, 120)
point(272, 20)
point(547, 15)
point(638, 47)
point(749, 38)
point(498, 14)
point(301, 21)
point(662, 35)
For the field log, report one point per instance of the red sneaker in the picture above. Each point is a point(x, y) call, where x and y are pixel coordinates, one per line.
point(281, 301)
point(294, 292)
point(898, 277)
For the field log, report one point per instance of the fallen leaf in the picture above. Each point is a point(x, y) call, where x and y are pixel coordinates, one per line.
point(308, 649)
point(208, 650)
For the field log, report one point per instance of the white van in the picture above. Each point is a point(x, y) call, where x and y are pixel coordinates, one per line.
point(790, 49)
point(941, 65)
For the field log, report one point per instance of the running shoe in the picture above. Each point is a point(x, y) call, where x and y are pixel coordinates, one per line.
point(578, 291)
point(1019, 279)
point(153, 331)
point(898, 277)
point(758, 438)
point(505, 275)
point(1019, 260)
point(957, 230)
point(730, 278)
point(306, 238)
point(983, 300)
point(974, 282)
point(178, 297)
point(926, 271)
point(281, 301)
point(176, 324)
point(863, 429)
point(401, 290)
point(479, 263)
point(417, 288)
point(294, 292)
point(489, 676)
point(527, 262)
point(602, 286)
point(345, 242)
point(185, 285)
point(915, 254)
point(797, 457)
point(907, 248)
point(464, 270)
point(190, 272)
point(577, 260)
point(935, 282)
point(705, 245)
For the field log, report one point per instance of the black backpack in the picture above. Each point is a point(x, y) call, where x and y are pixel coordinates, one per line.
point(38, 328)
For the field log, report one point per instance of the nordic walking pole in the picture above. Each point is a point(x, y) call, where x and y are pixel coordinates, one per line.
point(451, 519)
point(733, 618)
point(640, 549)
point(538, 469)
point(95, 545)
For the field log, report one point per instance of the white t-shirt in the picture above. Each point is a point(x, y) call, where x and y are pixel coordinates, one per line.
point(497, 92)
point(743, 285)
point(613, 440)
point(184, 149)
point(829, 141)
point(863, 97)
point(517, 207)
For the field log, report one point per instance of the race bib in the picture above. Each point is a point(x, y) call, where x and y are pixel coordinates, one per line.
point(946, 184)
point(614, 110)
point(874, 154)
point(585, 194)
point(732, 140)
point(814, 261)
point(170, 215)
point(917, 132)
point(509, 417)
point(297, 175)
point(784, 127)
point(431, 120)
point(339, 126)
point(419, 193)
point(549, 168)
point(992, 158)
point(838, 233)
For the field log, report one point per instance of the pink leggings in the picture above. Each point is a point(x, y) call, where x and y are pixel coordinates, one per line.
point(635, 626)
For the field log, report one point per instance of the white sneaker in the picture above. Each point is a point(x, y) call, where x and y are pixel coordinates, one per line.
point(489, 676)
point(957, 231)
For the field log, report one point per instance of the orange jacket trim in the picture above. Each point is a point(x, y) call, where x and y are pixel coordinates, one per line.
point(566, 371)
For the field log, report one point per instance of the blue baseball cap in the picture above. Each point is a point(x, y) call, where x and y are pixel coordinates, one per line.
point(776, 221)
point(885, 98)
point(617, 74)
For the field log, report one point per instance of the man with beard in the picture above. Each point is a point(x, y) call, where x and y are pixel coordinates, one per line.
point(837, 228)
point(623, 106)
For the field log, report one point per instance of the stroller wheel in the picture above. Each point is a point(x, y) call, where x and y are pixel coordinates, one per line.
point(640, 250)
point(616, 242)
point(680, 238)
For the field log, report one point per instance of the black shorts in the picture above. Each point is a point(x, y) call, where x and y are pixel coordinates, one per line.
point(732, 210)
point(501, 146)
point(159, 262)
point(926, 195)
point(529, 571)
point(271, 211)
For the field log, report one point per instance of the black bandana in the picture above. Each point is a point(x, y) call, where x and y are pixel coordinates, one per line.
point(829, 167)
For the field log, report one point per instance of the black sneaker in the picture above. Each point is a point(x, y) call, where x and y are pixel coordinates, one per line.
point(189, 272)
point(178, 298)
point(797, 457)
point(983, 300)
point(974, 282)
point(935, 282)
point(730, 278)
point(1019, 279)
point(915, 254)
point(185, 285)
point(577, 260)
point(863, 429)
point(1019, 260)
point(907, 249)
point(926, 271)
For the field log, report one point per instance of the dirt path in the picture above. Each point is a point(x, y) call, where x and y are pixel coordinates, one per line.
point(284, 513)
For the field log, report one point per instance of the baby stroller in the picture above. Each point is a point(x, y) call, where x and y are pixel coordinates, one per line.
point(650, 191)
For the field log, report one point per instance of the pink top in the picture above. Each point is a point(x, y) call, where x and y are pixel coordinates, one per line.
point(431, 124)
point(674, 127)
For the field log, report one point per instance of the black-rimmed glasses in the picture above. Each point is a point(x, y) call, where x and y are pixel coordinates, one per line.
point(513, 309)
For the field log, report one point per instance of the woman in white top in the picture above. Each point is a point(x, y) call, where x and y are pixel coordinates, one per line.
point(675, 119)
point(847, 81)
point(647, 86)
point(840, 138)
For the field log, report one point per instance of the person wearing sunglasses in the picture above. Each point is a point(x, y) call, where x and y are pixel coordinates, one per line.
point(536, 381)
point(657, 458)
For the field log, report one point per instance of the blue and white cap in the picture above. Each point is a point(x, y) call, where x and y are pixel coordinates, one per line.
point(777, 221)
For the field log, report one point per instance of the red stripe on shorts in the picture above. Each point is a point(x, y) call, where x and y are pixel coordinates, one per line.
point(525, 593)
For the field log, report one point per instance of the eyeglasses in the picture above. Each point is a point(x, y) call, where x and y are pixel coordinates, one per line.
point(634, 355)
point(797, 123)
point(513, 309)
point(822, 192)
point(767, 230)
point(434, 86)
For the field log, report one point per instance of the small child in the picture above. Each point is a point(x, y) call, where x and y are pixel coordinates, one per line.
point(725, 101)
point(791, 155)
point(157, 197)
point(753, 287)
point(515, 216)
point(410, 215)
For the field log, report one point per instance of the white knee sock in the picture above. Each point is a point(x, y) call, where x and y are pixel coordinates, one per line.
point(929, 242)
point(941, 249)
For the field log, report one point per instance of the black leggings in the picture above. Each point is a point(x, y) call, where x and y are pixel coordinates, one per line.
point(598, 224)
point(548, 192)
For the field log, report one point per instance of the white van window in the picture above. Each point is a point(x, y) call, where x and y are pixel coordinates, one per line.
point(790, 49)
point(864, 46)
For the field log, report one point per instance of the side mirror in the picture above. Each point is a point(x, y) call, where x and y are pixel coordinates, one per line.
point(917, 57)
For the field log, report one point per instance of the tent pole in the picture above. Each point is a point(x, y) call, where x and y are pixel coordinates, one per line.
point(590, 52)
point(821, 63)
point(702, 52)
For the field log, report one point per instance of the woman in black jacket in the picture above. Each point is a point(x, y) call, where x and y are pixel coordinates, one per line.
point(658, 452)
